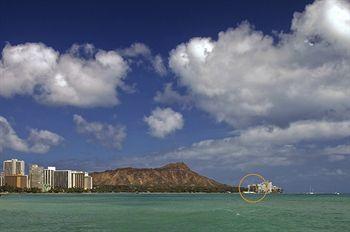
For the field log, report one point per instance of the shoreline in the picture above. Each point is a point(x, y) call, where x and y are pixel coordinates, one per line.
point(161, 193)
point(134, 193)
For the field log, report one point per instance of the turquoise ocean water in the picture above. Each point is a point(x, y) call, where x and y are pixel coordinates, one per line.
point(172, 212)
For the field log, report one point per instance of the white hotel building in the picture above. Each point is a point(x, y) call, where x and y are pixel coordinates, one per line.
point(49, 178)
point(63, 179)
point(45, 179)
point(13, 167)
point(2, 179)
point(72, 179)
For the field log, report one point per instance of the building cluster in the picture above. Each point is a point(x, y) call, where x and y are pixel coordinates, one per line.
point(264, 187)
point(13, 175)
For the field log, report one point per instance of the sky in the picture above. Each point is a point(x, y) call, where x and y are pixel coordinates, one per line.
point(228, 87)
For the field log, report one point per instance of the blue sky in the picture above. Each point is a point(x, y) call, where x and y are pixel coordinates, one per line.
point(228, 87)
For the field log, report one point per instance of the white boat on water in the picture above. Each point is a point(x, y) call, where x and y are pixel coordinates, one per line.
point(311, 192)
point(249, 192)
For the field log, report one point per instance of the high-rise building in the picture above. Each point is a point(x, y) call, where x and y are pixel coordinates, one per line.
point(78, 179)
point(14, 174)
point(2, 181)
point(16, 181)
point(63, 179)
point(36, 176)
point(49, 178)
point(44, 179)
point(13, 167)
point(87, 181)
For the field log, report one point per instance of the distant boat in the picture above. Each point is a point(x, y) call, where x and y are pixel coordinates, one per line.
point(249, 192)
point(311, 192)
point(336, 192)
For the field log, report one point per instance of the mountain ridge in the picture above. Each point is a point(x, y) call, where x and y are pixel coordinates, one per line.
point(172, 177)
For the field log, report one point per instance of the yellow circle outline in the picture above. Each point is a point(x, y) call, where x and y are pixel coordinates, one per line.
point(240, 192)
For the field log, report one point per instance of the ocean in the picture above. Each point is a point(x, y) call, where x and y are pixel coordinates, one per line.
point(172, 212)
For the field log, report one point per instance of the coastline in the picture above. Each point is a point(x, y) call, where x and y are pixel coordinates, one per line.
point(164, 193)
point(131, 193)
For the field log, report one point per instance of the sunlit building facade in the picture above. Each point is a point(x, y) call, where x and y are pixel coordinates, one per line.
point(87, 181)
point(77, 179)
point(36, 176)
point(264, 187)
point(44, 179)
point(16, 181)
point(13, 167)
point(63, 179)
point(2, 181)
point(49, 178)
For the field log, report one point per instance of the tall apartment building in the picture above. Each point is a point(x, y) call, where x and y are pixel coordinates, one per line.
point(13, 167)
point(44, 179)
point(36, 176)
point(49, 178)
point(77, 179)
point(72, 179)
point(2, 180)
point(16, 181)
point(63, 179)
point(87, 181)
point(14, 174)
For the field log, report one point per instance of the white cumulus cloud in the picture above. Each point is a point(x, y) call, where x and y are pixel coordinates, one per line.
point(171, 96)
point(38, 141)
point(141, 50)
point(70, 78)
point(164, 121)
point(262, 146)
point(111, 136)
point(287, 97)
point(247, 78)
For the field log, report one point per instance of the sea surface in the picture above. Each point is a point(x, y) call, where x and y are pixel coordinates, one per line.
point(172, 212)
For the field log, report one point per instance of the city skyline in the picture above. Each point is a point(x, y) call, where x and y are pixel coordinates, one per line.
point(44, 179)
point(236, 88)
